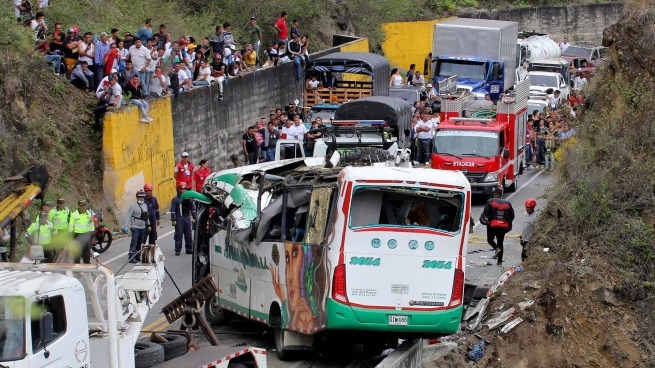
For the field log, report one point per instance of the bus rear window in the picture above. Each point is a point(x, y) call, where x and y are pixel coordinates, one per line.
point(406, 207)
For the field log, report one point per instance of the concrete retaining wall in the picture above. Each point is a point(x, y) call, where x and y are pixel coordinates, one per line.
point(198, 123)
point(408, 355)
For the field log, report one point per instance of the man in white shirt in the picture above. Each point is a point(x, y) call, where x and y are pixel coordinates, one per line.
point(579, 82)
point(203, 74)
point(424, 132)
point(141, 59)
point(289, 131)
point(87, 50)
point(564, 45)
point(184, 82)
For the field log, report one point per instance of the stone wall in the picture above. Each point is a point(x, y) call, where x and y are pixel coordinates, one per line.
point(577, 22)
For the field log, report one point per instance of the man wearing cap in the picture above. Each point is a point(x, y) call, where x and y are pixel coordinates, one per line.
point(40, 233)
point(59, 216)
point(128, 40)
point(137, 221)
point(153, 213)
point(102, 48)
point(255, 34)
point(184, 170)
point(71, 53)
point(82, 227)
point(183, 215)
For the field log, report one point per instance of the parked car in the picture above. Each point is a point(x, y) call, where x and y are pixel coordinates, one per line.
point(581, 64)
point(597, 54)
point(542, 81)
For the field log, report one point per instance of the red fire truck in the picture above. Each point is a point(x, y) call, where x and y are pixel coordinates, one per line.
point(490, 152)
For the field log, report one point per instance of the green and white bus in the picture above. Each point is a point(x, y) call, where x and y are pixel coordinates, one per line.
point(376, 253)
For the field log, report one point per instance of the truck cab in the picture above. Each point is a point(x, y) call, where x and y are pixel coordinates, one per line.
point(490, 152)
point(475, 75)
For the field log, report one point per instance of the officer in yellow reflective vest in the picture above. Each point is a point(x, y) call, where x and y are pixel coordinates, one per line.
point(60, 216)
point(40, 233)
point(82, 227)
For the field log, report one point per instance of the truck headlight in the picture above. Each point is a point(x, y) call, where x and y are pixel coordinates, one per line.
point(492, 176)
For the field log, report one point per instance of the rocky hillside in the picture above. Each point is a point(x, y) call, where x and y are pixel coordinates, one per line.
point(593, 291)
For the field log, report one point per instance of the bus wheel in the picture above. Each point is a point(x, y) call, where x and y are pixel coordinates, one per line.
point(214, 314)
point(282, 353)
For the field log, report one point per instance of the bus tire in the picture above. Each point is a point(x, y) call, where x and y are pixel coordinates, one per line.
point(282, 353)
point(479, 293)
point(147, 354)
point(215, 314)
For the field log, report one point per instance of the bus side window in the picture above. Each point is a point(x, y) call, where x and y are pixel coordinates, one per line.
point(318, 215)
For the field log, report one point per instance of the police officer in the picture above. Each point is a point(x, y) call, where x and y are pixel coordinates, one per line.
point(137, 220)
point(529, 219)
point(498, 215)
point(82, 227)
point(183, 214)
point(153, 213)
point(40, 233)
point(59, 216)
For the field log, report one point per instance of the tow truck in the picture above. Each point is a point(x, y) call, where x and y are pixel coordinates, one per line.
point(83, 315)
point(490, 152)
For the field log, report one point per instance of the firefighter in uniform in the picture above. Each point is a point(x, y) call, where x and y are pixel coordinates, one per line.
point(183, 215)
point(40, 233)
point(529, 219)
point(82, 227)
point(498, 215)
point(59, 216)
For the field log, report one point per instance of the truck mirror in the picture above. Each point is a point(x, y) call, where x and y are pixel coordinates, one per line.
point(46, 328)
point(505, 153)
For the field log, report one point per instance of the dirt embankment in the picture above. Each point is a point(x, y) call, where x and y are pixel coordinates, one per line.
point(44, 120)
point(593, 290)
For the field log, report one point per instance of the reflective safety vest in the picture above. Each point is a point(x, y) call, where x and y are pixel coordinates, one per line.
point(81, 223)
point(59, 218)
point(43, 232)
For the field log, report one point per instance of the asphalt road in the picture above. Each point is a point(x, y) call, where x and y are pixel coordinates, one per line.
point(532, 185)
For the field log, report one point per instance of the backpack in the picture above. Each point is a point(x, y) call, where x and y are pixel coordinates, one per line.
point(500, 215)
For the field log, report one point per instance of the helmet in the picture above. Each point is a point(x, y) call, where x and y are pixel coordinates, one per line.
point(182, 185)
point(148, 186)
point(530, 203)
point(140, 193)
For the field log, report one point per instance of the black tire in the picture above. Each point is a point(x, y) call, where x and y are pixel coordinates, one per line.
point(237, 365)
point(282, 354)
point(214, 314)
point(102, 240)
point(175, 347)
point(513, 186)
point(147, 354)
point(479, 293)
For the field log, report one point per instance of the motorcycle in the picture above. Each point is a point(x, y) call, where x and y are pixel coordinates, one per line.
point(102, 238)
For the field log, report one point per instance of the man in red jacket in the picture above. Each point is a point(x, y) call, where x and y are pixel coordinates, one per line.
point(184, 170)
point(201, 174)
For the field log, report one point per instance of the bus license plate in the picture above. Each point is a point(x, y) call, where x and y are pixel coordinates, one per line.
point(398, 320)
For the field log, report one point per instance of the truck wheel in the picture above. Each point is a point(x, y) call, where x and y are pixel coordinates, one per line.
point(214, 314)
point(513, 186)
point(282, 353)
point(147, 354)
point(176, 346)
point(237, 365)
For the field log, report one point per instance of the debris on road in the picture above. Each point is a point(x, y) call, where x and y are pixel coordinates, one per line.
point(526, 304)
point(508, 327)
point(502, 318)
point(477, 352)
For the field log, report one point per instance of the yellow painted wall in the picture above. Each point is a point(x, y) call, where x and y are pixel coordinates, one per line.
point(356, 46)
point(136, 153)
point(408, 43)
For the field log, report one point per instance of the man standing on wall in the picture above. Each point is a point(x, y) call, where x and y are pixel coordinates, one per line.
point(183, 215)
point(153, 214)
point(184, 170)
point(282, 30)
point(255, 34)
point(498, 215)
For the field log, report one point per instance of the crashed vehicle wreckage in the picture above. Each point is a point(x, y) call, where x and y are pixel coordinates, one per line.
point(310, 248)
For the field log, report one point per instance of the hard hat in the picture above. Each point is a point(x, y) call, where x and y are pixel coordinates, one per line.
point(182, 185)
point(140, 193)
point(530, 203)
point(148, 186)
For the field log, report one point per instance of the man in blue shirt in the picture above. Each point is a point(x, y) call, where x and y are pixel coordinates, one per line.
point(102, 48)
point(145, 32)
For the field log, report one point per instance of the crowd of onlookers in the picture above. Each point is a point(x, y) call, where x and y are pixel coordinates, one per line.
point(149, 64)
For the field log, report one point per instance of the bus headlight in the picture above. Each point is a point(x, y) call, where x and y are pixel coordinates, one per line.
point(492, 176)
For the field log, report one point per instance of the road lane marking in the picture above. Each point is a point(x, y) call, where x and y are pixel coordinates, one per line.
point(517, 190)
point(297, 364)
point(124, 254)
point(157, 326)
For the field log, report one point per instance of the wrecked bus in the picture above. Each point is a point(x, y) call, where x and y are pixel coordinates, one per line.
point(369, 253)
